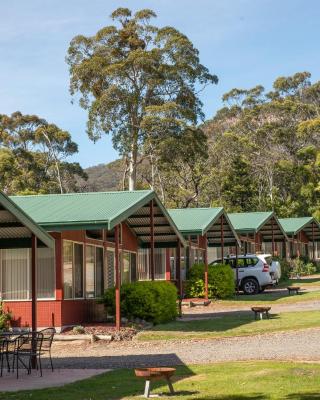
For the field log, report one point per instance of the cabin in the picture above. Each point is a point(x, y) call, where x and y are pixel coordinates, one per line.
point(260, 232)
point(78, 245)
point(206, 230)
point(303, 237)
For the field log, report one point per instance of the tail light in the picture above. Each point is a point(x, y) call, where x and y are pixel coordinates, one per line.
point(265, 268)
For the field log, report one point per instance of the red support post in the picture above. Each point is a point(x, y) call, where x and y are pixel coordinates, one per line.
point(222, 239)
point(178, 268)
point(313, 244)
point(206, 294)
point(117, 268)
point(34, 297)
point(237, 269)
point(152, 268)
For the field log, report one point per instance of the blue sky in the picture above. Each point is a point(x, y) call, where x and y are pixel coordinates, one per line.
point(244, 42)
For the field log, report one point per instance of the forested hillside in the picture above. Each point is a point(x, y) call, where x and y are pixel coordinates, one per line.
point(261, 151)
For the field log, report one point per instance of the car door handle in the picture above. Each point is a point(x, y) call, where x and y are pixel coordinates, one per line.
point(241, 270)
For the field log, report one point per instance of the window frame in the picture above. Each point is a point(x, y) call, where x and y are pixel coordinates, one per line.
point(83, 269)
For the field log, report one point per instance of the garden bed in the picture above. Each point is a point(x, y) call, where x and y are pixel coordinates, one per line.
point(103, 331)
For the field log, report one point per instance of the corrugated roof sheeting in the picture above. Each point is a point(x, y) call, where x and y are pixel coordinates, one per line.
point(293, 226)
point(79, 207)
point(192, 220)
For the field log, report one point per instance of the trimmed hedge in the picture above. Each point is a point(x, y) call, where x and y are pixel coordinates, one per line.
point(152, 301)
point(221, 282)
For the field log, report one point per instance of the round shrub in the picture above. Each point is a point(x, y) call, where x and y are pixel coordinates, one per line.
point(152, 301)
point(221, 282)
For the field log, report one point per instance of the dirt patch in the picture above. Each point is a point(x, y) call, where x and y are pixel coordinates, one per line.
point(125, 333)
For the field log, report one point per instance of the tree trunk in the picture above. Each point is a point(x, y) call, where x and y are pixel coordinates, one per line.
point(132, 173)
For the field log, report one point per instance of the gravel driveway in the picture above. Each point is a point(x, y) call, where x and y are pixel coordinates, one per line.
point(297, 345)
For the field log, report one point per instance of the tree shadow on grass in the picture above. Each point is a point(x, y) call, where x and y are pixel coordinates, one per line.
point(303, 396)
point(235, 397)
point(215, 322)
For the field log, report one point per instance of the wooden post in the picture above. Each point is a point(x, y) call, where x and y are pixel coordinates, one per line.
point(117, 268)
point(222, 240)
point(313, 244)
point(237, 269)
point(272, 233)
point(206, 294)
point(34, 297)
point(178, 269)
point(152, 268)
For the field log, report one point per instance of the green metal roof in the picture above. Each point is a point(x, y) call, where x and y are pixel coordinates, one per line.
point(83, 210)
point(249, 221)
point(194, 220)
point(94, 210)
point(25, 219)
point(294, 225)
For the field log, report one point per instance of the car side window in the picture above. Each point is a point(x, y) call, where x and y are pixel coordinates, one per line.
point(230, 262)
point(241, 263)
point(251, 262)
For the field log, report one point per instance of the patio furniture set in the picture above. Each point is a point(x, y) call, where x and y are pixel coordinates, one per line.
point(24, 350)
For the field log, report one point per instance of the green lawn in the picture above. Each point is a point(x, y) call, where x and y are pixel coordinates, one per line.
point(222, 381)
point(235, 324)
point(270, 298)
point(308, 281)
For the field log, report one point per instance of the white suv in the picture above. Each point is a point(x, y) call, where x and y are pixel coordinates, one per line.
point(253, 271)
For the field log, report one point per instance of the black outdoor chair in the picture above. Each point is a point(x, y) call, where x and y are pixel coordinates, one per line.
point(6, 349)
point(48, 335)
point(25, 350)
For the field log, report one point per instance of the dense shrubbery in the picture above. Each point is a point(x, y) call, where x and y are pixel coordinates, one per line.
point(220, 281)
point(151, 301)
point(300, 266)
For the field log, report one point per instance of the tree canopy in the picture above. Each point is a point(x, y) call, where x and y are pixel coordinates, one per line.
point(139, 83)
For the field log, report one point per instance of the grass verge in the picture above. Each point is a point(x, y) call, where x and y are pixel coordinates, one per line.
point(222, 381)
point(235, 324)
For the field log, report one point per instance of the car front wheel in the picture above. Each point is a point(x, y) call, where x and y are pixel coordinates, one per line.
point(250, 286)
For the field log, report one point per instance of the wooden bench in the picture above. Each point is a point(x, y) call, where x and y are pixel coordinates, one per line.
point(200, 303)
point(293, 289)
point(153, 374)
point(260, 311)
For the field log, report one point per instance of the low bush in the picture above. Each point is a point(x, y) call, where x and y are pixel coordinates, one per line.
point(5, 318)
point(300, 267)
point(221, 282)
point(152, 301)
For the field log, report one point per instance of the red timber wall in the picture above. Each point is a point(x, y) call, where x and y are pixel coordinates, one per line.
point(60, 312)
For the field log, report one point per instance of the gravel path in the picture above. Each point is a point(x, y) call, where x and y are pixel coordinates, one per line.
point(297, 345)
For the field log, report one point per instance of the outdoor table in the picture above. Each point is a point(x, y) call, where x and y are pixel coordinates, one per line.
point(153, 374)
point(260, 311)
point(293, 289)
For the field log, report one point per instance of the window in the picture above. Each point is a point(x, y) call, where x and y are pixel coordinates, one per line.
point(78, 270)
point(160, 263)
point(99, 272)
point(172, 255)
point(251, 262)
point(143, 265)
point(15, 272)
point(67, 269)
point(90, 267)
point(125, 267)
point(15, 266)
point(72, 270)
point(45, 273)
